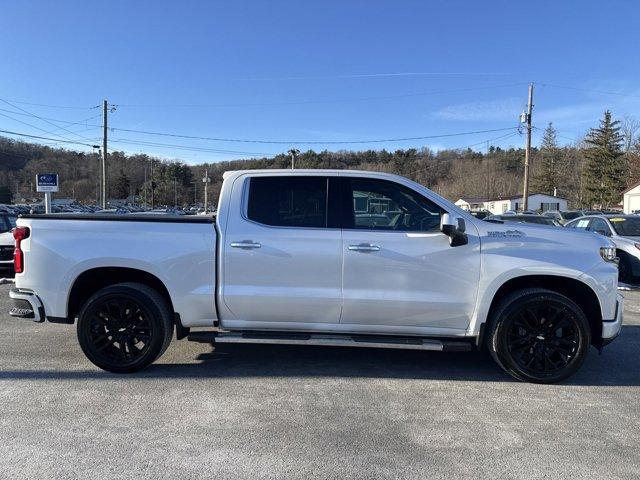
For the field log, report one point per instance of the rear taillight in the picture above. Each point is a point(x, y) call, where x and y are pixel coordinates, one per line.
point(19, 234)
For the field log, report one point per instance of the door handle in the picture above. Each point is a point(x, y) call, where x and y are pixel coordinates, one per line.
point(364, 247)
point(246, 244)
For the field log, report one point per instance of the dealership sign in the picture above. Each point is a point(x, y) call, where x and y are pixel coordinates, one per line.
point(47, 182)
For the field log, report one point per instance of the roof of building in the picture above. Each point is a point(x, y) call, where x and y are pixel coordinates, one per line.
point(631, 188)
point(516, 197)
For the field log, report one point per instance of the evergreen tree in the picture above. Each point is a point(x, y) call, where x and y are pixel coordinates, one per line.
point(121, 185)
point(605, 172)
point(549, 167)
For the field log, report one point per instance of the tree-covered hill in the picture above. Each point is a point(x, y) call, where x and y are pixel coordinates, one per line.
point(452, 173)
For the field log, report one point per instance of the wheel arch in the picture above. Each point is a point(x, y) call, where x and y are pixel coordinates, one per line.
point(92, 280)
point(576, 290)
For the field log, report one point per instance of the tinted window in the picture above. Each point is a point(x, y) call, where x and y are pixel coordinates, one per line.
point(384, 205)
point(571, 215)
point(626, 226)
point(288, 201)
point(599, 225)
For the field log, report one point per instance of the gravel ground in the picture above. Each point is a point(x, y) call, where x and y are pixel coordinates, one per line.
point(295, 412)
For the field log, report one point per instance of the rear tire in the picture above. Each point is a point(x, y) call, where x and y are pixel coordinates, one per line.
point(125, 327)
point(540, 336)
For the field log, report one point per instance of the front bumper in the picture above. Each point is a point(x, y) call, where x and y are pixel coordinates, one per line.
point(611, 328)
point(27, 305)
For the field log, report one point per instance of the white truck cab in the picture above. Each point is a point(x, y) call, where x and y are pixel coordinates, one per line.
point(322, 257)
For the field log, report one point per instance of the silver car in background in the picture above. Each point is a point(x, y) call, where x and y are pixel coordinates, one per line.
point(624, 230)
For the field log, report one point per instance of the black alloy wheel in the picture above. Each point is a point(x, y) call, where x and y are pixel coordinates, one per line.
point(124, 327)
point(543, 338)
point(539, 336)
point(120, 330)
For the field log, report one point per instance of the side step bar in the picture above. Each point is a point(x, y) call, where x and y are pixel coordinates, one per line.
point(366, 341)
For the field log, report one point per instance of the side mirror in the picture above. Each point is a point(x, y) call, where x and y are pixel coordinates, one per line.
point(602, 232)
point(454, 228)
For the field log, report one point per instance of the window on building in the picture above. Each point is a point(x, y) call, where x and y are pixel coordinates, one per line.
point(550, 206)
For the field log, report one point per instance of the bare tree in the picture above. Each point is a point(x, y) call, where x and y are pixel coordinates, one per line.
point(630, 129)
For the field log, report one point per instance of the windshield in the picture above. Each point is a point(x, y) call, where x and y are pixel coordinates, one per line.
point(626, 226)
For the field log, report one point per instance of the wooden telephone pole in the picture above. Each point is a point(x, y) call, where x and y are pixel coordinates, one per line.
point(104, 154)
point(527, 150)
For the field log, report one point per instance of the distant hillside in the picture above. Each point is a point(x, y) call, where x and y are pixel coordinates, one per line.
point(452, 173)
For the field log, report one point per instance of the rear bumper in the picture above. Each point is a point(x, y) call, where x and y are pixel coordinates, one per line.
point(26, 305)
point(611, 328)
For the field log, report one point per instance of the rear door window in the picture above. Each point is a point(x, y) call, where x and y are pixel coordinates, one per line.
point(288, 201)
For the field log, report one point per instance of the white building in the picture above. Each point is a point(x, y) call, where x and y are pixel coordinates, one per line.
point(631, 200)
point(472, 204)
point(537, 202)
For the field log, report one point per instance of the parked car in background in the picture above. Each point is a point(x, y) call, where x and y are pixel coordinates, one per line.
point(520, 218)
point(624, 230)
point(7, 223)
point(481, 214)
point(564, 216)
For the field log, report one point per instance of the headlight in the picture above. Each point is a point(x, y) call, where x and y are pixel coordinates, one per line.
point(608, 254)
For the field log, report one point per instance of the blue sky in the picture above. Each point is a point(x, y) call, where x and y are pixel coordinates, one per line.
point(303, 71)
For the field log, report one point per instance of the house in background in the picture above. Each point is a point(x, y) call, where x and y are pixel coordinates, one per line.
point(471, 204)
point(537, 202)
point(631, 200)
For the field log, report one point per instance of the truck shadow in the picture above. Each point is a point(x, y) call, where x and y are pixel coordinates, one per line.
point(619, 365)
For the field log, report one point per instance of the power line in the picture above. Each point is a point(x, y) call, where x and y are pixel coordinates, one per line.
point(184, 147)
point(327, 101)
point(381, 75)
point(602, 92)
point(52, 106)
point(559, 135)
point(57, 120)
point(44, 120)
point(312, 142)
point(56, 140)
point(51, 132)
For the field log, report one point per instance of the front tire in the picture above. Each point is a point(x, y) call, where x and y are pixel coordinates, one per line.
point(539, 336)
point(125, 327)
point(625, 274)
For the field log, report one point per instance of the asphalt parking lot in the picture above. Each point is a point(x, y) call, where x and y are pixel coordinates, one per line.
point(295, 412)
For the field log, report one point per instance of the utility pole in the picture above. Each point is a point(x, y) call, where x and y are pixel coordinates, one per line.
point(152, 185)
point(175, 192)
point(104, 154)
point(527, 150)
point(145, 186)
point(294, 154)
point(206, 181)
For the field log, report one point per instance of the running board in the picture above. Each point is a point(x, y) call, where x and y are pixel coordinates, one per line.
point(366, 341)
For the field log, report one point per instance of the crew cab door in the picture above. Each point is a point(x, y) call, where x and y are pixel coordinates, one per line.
point(282, 253)
point(399, 269)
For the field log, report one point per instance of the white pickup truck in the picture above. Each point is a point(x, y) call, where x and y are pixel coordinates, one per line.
point(321, 257)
